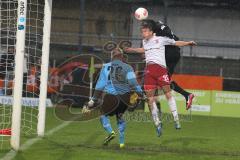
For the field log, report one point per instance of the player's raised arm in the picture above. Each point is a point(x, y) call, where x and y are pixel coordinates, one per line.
point(134, 50)
point(184, 43)
point(168, 41)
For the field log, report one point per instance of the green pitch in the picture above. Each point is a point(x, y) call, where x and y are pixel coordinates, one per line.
point(203, 138)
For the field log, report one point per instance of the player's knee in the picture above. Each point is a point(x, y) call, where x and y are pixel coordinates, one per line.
point(151, 100)
point(103, 119)
point(168, 95)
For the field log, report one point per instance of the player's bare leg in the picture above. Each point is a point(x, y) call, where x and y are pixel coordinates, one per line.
point(172, 105)
point(154, 110)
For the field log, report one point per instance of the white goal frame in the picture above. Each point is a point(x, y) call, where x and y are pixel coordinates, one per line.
point(19, 65)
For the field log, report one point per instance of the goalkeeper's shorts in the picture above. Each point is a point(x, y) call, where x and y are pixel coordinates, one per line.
point(117, 104)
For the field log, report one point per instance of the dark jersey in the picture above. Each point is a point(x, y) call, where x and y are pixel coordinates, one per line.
point(172, 53)
point(164, 31)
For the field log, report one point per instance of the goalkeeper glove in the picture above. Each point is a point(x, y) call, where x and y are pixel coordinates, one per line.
point(91, 103)
point(85, 109)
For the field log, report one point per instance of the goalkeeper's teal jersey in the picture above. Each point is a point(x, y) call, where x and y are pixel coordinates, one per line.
point(117, 78)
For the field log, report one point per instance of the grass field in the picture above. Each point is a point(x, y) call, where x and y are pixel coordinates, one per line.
point(203, 138)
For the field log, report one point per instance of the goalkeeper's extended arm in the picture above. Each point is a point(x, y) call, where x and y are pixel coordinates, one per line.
point(101, 83)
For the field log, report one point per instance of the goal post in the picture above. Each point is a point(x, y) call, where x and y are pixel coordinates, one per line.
point(27, 24)
point(44, 67)
point(18, 80)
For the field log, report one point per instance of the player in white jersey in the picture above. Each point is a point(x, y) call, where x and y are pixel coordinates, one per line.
point(156, 74)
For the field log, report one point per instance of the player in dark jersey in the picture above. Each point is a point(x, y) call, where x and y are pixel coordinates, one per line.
point(172, 55)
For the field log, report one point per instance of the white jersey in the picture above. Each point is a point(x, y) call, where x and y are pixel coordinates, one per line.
point(155, 49)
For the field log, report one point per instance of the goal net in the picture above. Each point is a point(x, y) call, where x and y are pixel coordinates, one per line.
point(24, 49)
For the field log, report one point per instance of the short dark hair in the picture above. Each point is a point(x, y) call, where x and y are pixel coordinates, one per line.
point(149, 23)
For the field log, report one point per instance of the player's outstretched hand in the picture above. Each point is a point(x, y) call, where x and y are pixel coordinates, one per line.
point(192, 43)
point(133, 50)
point(128, 49)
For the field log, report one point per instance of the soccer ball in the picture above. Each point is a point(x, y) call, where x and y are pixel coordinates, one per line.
point(141, 14)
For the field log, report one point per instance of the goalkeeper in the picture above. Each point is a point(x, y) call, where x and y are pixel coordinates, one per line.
point(118, 82)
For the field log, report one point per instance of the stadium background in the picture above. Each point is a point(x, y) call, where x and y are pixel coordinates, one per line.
point(83, 27)
point(214, 25)
point(211, 70)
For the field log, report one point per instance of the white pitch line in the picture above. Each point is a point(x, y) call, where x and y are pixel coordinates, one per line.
point(11, 154)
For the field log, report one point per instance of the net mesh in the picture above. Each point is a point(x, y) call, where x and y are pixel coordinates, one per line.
point(32, 63)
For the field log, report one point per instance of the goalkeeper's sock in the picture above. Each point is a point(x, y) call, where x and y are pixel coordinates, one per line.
point(173, 107)
point(155, 115)
point(106, 124)
point(121, 129)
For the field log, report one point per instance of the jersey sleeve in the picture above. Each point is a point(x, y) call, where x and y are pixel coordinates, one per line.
point(131, 77)
point(167, 41)
point(102, 80)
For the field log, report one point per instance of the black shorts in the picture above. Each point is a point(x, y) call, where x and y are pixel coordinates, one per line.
point(115, 104)
point(172, 57)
